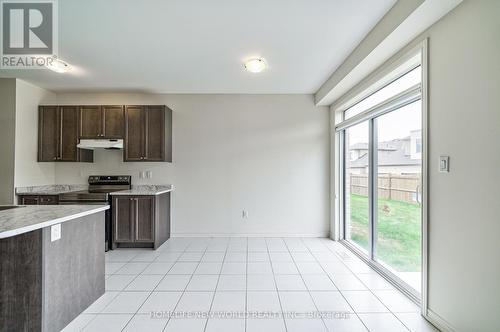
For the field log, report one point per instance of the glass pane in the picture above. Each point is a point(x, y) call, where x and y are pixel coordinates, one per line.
point(399, 169)
point(404, 82)
point(356, 185)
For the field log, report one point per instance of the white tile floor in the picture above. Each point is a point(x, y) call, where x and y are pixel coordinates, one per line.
point(217, 280)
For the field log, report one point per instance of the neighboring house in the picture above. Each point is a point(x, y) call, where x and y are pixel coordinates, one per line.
point(399, 156)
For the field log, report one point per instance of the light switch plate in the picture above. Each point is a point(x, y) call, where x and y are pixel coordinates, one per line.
point(55, 232)
point(444, 164)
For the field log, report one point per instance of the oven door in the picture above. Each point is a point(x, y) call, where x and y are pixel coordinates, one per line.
point(107, 216)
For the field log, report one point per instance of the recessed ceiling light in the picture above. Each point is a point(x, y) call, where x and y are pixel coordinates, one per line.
point(255, 65)
point(58, 65)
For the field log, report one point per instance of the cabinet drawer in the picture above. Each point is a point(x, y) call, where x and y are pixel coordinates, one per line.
point(28, 200)
point(39, 200)
point(48, 200)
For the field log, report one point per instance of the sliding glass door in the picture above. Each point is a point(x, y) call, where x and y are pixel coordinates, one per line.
point(381, 158)
point(357, 227)
point(398, 198)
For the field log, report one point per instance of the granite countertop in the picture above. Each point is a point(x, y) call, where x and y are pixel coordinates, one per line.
point(24, 219)
point(145, 190)
point(53, 189)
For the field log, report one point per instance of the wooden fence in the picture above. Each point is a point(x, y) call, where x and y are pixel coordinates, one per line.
point(404, 188)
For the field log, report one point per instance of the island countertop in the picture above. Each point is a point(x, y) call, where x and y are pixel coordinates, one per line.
point(27, 218)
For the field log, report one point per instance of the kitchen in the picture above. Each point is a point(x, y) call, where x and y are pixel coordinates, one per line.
point(143, 133)
point(186, 165)
point(135, 216)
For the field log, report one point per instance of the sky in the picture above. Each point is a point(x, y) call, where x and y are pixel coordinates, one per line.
point(397, 124)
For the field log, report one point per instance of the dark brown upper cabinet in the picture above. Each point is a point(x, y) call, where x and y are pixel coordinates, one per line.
point(58, 135)
point(102, 122)
point(148, 133)
point(48, 133)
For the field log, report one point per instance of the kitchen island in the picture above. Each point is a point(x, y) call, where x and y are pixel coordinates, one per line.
point(52, 264)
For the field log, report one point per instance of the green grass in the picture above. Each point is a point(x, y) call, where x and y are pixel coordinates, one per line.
point(399, 233)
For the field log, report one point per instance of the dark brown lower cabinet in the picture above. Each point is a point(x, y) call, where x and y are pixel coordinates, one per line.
point(38, 199)
point(141, 221)
point(123, 219)
point(144, 219)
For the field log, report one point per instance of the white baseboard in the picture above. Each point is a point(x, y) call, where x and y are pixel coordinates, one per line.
point(320, 234)
point(439, 322)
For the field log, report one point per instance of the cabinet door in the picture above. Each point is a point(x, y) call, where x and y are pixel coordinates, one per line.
point(48, 133)
point(155, 133)
point(134, 133)
point(68, 133)
point(123, 219)
point(29, 200)
point(91, 122)
point(114, 121)
point(144, 219)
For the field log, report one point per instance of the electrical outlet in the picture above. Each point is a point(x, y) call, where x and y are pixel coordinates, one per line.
point(244, 214)
point(55, 232)
point(149, 174)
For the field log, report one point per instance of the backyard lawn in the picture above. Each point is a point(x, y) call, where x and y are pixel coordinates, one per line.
point(399, 233)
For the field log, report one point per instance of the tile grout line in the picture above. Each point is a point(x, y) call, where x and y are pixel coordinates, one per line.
point(182, 293)
point(302, 278)
point(287, 246)
point(276, 287)
point(216, 285)
point(153, 291)
point(119, 292)
point(246, 287)
point(375, 295)
point(339, 290)
point(189, 281)
point(355, 274)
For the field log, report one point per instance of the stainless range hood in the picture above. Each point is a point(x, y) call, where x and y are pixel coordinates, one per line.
point(91, 144)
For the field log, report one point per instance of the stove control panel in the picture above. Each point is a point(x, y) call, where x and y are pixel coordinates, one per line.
point(101, 179)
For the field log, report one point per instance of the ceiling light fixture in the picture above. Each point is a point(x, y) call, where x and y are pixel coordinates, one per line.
point(255, 65)
point(58, 65)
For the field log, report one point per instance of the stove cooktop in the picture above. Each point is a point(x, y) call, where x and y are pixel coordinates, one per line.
point(99, 188)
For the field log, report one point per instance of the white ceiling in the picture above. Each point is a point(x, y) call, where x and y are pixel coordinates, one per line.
point(198, 46)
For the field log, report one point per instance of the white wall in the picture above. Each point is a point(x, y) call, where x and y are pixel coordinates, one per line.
point(268, 154)
point(29, 172)
point(464, 119)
